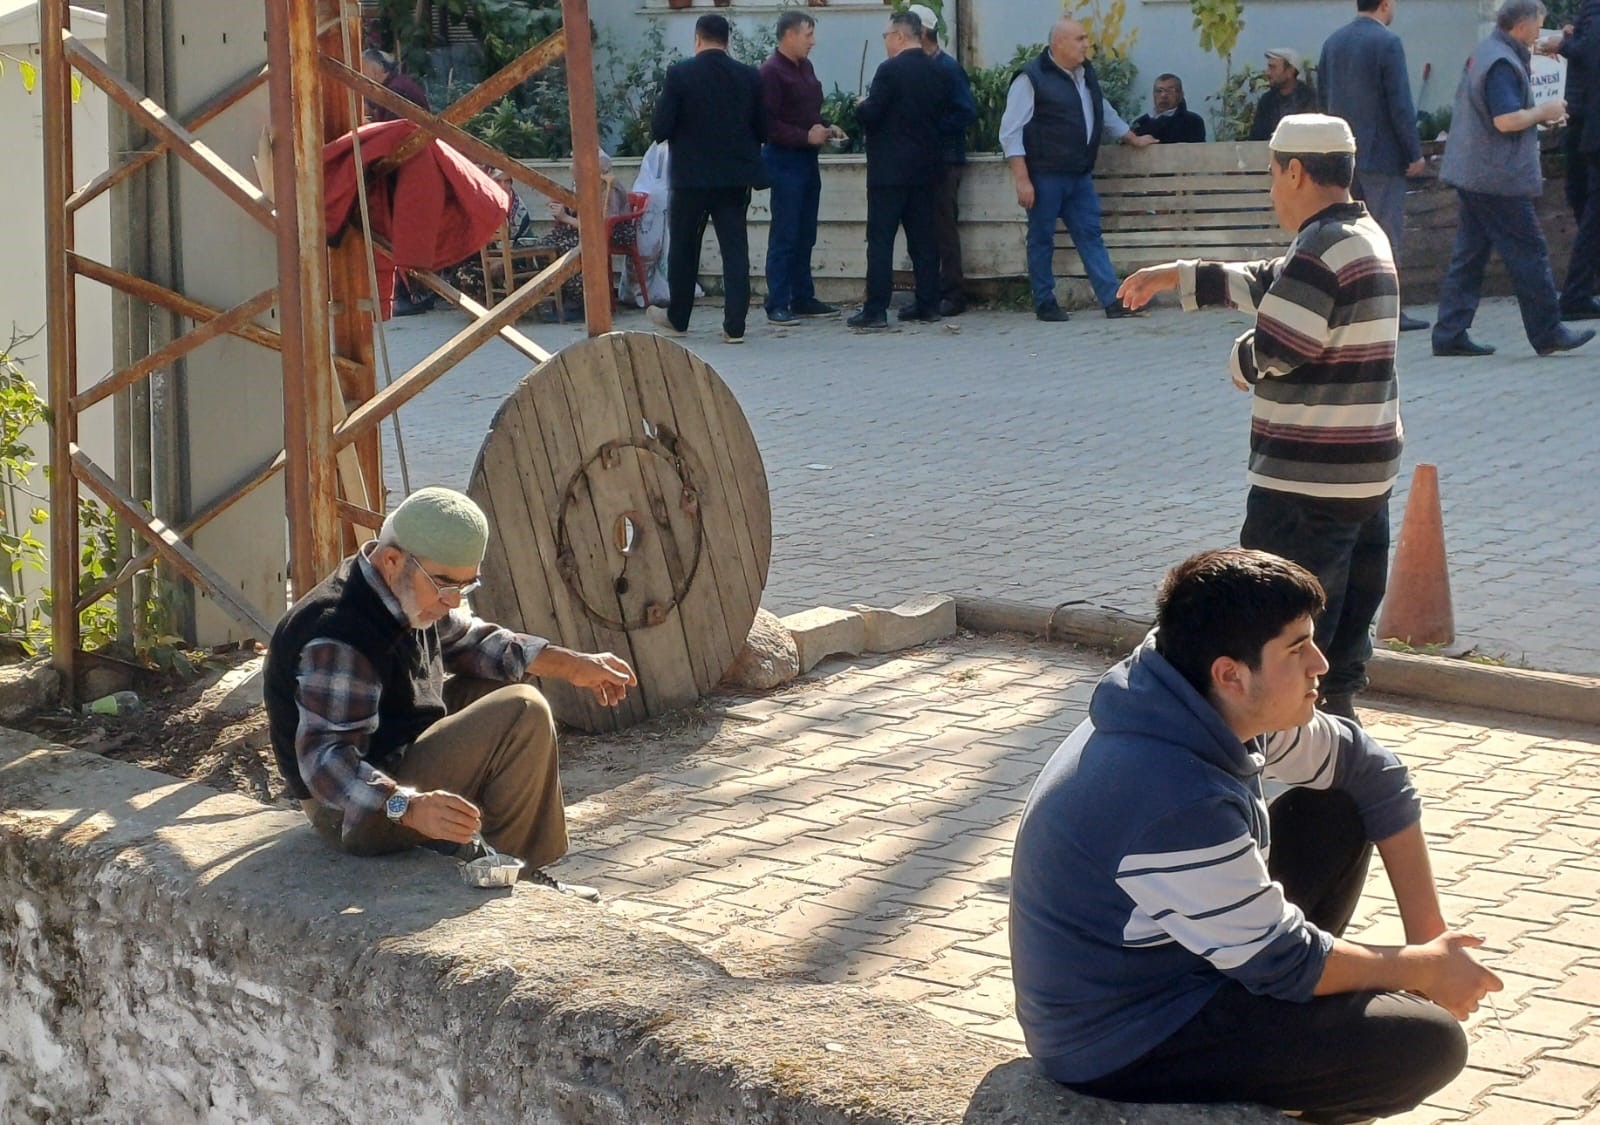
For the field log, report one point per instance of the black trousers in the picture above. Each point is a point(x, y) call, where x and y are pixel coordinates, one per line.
point(889, 209)
point(1583, 271)
point(690, 209)
point(1336, 1059)
point(947, 233)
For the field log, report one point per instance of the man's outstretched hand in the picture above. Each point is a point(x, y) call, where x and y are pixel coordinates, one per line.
point(604, 674)
point(1137, 288)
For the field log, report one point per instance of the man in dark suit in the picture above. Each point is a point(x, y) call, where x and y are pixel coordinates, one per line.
point(711, 115)
point(900, 116)
point(1363, 78)
point(1581, 46)
point(1170, 121)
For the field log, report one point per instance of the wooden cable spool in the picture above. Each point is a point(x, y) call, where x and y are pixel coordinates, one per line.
point(628, 512)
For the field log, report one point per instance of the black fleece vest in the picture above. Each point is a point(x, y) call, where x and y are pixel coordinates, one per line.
point(1057, 141)
point(344, 607)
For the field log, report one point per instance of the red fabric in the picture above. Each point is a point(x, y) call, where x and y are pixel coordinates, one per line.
point(434, 210)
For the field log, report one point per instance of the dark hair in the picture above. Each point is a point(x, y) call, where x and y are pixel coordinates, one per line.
point(1229, 603)
point(1330, 169)
point(373, 55)
point(1368, 5)
point(791, 19)
point(1171, 78)
point(713, 29)
point(909, 23)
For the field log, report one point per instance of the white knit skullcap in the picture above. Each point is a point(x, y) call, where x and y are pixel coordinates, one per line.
point(1313, 132)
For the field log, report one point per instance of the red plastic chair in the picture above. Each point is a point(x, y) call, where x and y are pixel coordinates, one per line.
point(638, 202)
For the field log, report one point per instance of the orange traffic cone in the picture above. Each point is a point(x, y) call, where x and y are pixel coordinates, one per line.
point(1416, 608)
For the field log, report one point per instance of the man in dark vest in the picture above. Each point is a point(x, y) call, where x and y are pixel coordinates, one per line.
point(1051, 131)
point(1492, 160)
point(382, 752)
point(1170, 121)
point(900, 116)
point(1363, 79)
point(710, 112)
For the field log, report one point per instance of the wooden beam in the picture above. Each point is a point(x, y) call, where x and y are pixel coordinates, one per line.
point(213, 108)
point(183, 144)
point(361, 517)
point(482, 96)
point(464, 142)
point(168, 545)
point(308, 387)
point(182, 346)
point(61, 335)
point(460, 300)
point(151, 293)
point(453, 351)
point(591, 206)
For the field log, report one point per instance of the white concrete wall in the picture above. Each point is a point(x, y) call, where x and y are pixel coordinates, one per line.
point(22, 282)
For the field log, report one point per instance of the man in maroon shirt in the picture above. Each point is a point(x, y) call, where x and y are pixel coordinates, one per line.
point(795, 132)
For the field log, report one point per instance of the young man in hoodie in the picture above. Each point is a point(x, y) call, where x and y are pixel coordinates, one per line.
point(1174, 941)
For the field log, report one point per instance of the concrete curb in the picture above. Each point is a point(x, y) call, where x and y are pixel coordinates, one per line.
point(1521, 691)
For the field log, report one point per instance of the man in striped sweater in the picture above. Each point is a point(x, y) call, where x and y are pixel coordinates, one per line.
point(1325, 427)
point(1174, 941)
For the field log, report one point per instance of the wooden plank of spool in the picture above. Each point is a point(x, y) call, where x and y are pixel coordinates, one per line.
point(630, 512)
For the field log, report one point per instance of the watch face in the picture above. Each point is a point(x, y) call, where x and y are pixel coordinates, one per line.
point(396, 806)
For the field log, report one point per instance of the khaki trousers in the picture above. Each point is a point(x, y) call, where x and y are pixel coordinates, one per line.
point(496, 748)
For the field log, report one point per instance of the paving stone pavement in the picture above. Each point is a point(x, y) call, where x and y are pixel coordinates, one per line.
point(1054, 462)
point(858, 826)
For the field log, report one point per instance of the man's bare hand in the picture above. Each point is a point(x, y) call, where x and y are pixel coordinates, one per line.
point(441, 815)
point(1137, 288)
point(1551, 111)
point(816, 135)
point(1025, 193)
point(1453, 978)
point(1138, 140)
point(606, 675)
point(1417, 166)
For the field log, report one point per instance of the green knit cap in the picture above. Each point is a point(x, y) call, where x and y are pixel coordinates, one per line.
point(442, 526)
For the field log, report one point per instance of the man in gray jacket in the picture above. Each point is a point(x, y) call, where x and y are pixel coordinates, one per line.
point(1363, 78)
point(1492, 160)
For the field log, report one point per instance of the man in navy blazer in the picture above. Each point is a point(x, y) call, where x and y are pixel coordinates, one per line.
point(905, 160)
point(710, 112)
point(1364, 80)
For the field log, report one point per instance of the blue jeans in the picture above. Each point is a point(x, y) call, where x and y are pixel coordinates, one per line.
point(796, 193)
point(1073, 200)
point(1350, 557)
point(1509, 224)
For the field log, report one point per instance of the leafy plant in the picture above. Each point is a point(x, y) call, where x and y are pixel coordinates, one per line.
point(1234, 105)
point(1430, 125)
point(839, 108)
point(1104, 25)
point(632, 83)
point(1219, 23)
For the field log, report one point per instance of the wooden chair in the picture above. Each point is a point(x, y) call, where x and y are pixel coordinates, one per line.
point(638, 203)
point(506, 266)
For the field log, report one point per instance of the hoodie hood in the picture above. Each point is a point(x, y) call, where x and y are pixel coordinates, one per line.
point(1147, 698)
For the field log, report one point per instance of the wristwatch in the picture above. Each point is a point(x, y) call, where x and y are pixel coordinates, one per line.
point(397, 804)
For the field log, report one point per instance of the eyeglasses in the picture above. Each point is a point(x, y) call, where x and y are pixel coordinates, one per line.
point(447, 589)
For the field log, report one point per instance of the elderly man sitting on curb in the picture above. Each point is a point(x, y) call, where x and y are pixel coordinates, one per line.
point(383, 753)
point(1173, 940)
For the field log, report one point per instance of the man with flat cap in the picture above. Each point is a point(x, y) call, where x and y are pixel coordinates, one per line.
point(1287, 92)
point(1325, 419)
point(382, 751)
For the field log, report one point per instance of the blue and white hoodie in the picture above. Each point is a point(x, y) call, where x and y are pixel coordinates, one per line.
point(1139, 883)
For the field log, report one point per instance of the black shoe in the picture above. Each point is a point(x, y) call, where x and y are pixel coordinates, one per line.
point(1052, 312)
point(781, 316)
point(1582, 310)
point(1116, 310)
point(540, 877)
point(1462, 345)
point(1566, 340)
point(1342, 705)
point(952, 307)
point(916, 314)
point(814, 307)
point(864, 321)
point(405, 305)
point(1412, 324)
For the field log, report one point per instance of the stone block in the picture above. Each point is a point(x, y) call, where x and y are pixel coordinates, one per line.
point(823, 632)
point(769, 657)
point(237, 693)
point(28, 687)
point(911, 623)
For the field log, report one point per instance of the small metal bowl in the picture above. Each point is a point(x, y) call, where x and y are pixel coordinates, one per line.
point(496, 870)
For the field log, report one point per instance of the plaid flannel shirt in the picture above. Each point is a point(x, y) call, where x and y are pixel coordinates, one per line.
point(337, 694)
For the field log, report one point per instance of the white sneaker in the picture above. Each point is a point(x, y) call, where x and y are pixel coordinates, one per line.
point(658, 317)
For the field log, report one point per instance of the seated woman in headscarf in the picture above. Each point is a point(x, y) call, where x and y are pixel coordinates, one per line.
point(563, 232)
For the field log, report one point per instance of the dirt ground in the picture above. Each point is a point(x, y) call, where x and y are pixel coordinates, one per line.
point(179, 732)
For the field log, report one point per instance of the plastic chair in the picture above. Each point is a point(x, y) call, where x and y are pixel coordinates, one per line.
point(638, 203)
